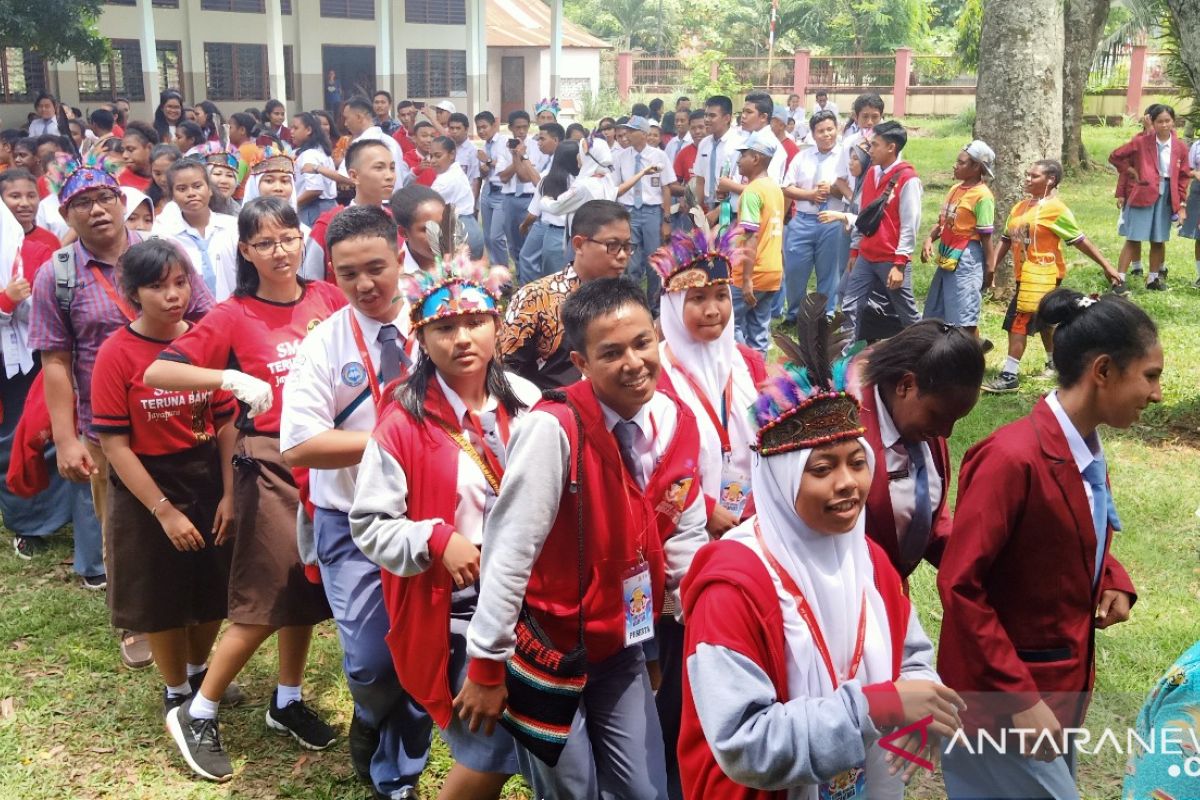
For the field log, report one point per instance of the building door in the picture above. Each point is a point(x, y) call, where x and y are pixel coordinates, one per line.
point(355, 68)
point(512, 85)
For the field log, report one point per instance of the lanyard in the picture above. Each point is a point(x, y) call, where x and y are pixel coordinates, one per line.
point(372, 378)
point(112, 293)
point(18, 266)
point(806, 614)
point(487, 462)
point(721, 423)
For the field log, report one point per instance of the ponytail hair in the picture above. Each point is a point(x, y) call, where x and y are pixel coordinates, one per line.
point(1089, 327)
point(940, 357)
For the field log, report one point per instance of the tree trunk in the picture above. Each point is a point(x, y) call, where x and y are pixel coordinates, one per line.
point(1084, 26)
point(1019, 94)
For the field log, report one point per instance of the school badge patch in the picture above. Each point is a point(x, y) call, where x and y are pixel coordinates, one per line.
point(353, 374)
point(675, 498)
point(312, 323)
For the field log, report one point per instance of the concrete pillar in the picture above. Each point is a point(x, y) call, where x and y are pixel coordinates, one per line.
point(800, 75)
point(1137, 80)
point(275, 63)
point(624, 75)
point(556, 36)
point(150, 52)
point(194, 75)
point(476, 57)
point(900, 81)
point(383, 47)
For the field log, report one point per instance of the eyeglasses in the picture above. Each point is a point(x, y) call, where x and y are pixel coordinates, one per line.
point(289, 244)
point(613, 246)
point(84, 204)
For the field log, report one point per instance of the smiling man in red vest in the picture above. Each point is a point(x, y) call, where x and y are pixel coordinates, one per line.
point(584, 562)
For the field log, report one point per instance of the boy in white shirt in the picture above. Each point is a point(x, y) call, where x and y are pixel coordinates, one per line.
point(491, 197)
point(644, 176)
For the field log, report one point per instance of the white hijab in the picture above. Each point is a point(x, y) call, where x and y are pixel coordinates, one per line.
point(831, 570)
point(133, 199)
point(711, 364)
point(14, 327)
point(252, 190)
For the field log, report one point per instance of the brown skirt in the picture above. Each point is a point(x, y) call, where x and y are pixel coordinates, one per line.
point(266, 582)
point(152, 586)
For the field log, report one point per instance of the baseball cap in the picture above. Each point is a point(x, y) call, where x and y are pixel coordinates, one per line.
point(760, 144)
point(636, 124)
point(446, 105)
point(781, 113)
point(983, 155)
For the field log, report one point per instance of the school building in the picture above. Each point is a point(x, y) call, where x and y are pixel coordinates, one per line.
point(240, 53)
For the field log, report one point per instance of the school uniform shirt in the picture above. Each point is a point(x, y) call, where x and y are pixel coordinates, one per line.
point(676, 144)
point(49, 216)
point(374, 132)
point(537, 209)
point(777, 169)
point(20, 257)
point(829, 106)
point(583, 189)
point(466, 155)
point(158, 422)
point(504, 159)
point(42, 127)
point(221, 236)
point(650, 187)
point(761, 211)
point(716, 159)
point(305, 182)
point(258, 337)
point(809, 168)
point(455, 188)
point(328, 376)
point(902, 488)
point(494, 148)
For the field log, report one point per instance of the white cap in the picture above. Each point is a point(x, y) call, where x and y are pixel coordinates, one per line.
point(446, 105)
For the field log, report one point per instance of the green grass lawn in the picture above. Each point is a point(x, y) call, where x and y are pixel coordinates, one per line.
point(73, 724)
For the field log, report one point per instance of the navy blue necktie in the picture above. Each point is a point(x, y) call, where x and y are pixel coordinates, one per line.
point(913, 543)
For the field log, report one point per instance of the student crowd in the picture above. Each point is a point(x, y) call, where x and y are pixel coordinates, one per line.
point(500, 407)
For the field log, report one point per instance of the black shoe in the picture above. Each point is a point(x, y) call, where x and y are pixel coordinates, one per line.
point(1002, 383)
point(987, 346)
point(364, 741)
point(95, 583)
point(233, 696)
point(171, 701)
point(199, 742)
point(1119, 289)
point(29, 547)
point(1156, 285)
point(1135, 271)
point(301, 722)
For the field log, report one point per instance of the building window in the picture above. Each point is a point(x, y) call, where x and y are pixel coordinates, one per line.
point(119, 75)
point(348, 9)
point(285, 6)
point(22, 75)
point(236, 71)
point(289, 78)
point(170, 65)
point(435, 12)
point(156, 3)
point(437, 73)
point(248, 6)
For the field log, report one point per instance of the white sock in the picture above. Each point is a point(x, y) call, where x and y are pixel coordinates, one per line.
point(285, 695)
point(182, 690)
point(1011, 366)
point(1136, 266)
point(196, 669)
point(1198, 268)
point(1121, 275)
point(1153, 274)
point(202, 707)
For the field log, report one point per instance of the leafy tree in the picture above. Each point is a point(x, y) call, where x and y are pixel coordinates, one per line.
point(56, 29)
point(855, 26)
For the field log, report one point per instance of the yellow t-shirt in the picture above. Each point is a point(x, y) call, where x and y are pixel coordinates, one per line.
point(761, 210)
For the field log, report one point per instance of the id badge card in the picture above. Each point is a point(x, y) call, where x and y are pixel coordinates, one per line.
point(735, 489)
point(656, 182)
point(638, 598)
point(848, 785)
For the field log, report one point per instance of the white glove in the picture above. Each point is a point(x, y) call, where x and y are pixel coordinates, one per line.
point(250, 390)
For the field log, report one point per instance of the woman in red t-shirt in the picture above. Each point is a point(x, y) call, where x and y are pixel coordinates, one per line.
point(246, 345)
point(171, 493)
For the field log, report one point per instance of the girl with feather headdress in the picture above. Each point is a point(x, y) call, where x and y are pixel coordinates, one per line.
point(801, 648)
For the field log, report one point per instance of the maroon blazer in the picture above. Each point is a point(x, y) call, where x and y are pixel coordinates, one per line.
point(1016, 578)
point(1141, 153)
point(881, 522)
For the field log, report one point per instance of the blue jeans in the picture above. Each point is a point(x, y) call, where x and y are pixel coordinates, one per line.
point(752, 326)
point(89, 541)
point(529, 264)
point(646, 223)
point(556, 250)
point(807, 246)
point(355, 596)
point(309, 214)
point(492, 203)
point(516, 207)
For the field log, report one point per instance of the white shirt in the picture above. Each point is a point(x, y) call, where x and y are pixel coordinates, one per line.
point(902, 490)
point(537, 209)
point(625, 166)
point(375, 132)
point(467, 157)
point(829, 106)
point(504, 160)
point(655, 423)
point(1164, 158)
point(583, 189)
point(221, 234)
point(716, 159)
point(323, 382)
point(455, 189)
point(49, 216)
point(41, 127)
point(494, 148)
point(809, 168)
point(411, 267)
point(1083, 452)
point(675, 145)
point(777, 169)
point(306, 182)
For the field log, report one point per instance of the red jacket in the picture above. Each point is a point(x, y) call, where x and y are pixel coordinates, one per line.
point(881, 246)
point(881, 522)
point(27, 472)
point(611, 533)
point(729, 600)
point(1141, 153)
point(1016, 577)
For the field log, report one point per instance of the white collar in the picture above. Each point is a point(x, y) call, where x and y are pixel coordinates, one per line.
point(456, 403)
point(641, 419)
point(373, 132)
point(215, 223)
point(1082, 451)
point(370, 327)
point(880, 171)
point(888, 433)
point(411, 267)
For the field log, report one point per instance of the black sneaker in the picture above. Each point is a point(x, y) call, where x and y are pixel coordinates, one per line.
point(29, 547)
point(301, 722)
point(171, 701)
point(1135, 271)
point(1002, 383)
point(233, 696)
point(1195, 284)
point(1156, 285)
point(199, 742)
point(95, 583)
point(987, 346)
point(364, 741)
point(1119, 289)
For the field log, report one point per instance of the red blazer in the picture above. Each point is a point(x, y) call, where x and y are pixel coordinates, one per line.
point(1016, 578)
point(1141, 153)
point(881, 522)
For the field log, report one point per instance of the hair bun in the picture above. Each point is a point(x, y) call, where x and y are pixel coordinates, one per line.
point(1062, 306)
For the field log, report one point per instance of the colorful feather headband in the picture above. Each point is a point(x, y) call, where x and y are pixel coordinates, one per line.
point(69, 176)
point(701, 257)
point(806, 405)
point(215, 154)
point(547, 104)
point(272, 158)
point(458, 285)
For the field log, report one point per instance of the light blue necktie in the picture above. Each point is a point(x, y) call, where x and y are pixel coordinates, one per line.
point(711, 189)
point(637, 189)
point(912, 545)
point(206, 268)
point(1104, 511)
point(626, 432)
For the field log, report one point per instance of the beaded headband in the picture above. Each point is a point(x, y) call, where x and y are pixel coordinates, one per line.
point(806, 405)
point(273, 158)
point(698, 258)
point(69, 176)
point(458, 285)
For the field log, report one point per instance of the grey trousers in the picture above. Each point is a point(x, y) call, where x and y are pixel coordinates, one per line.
point(868, 275)
point(992, 775)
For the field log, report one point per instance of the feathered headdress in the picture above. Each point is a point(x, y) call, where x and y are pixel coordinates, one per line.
point(272, 158)
point(701, 257)
point(68, 176)
point(807, 404)
point(216, 154)
point(547, 104)
point(458, 285)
